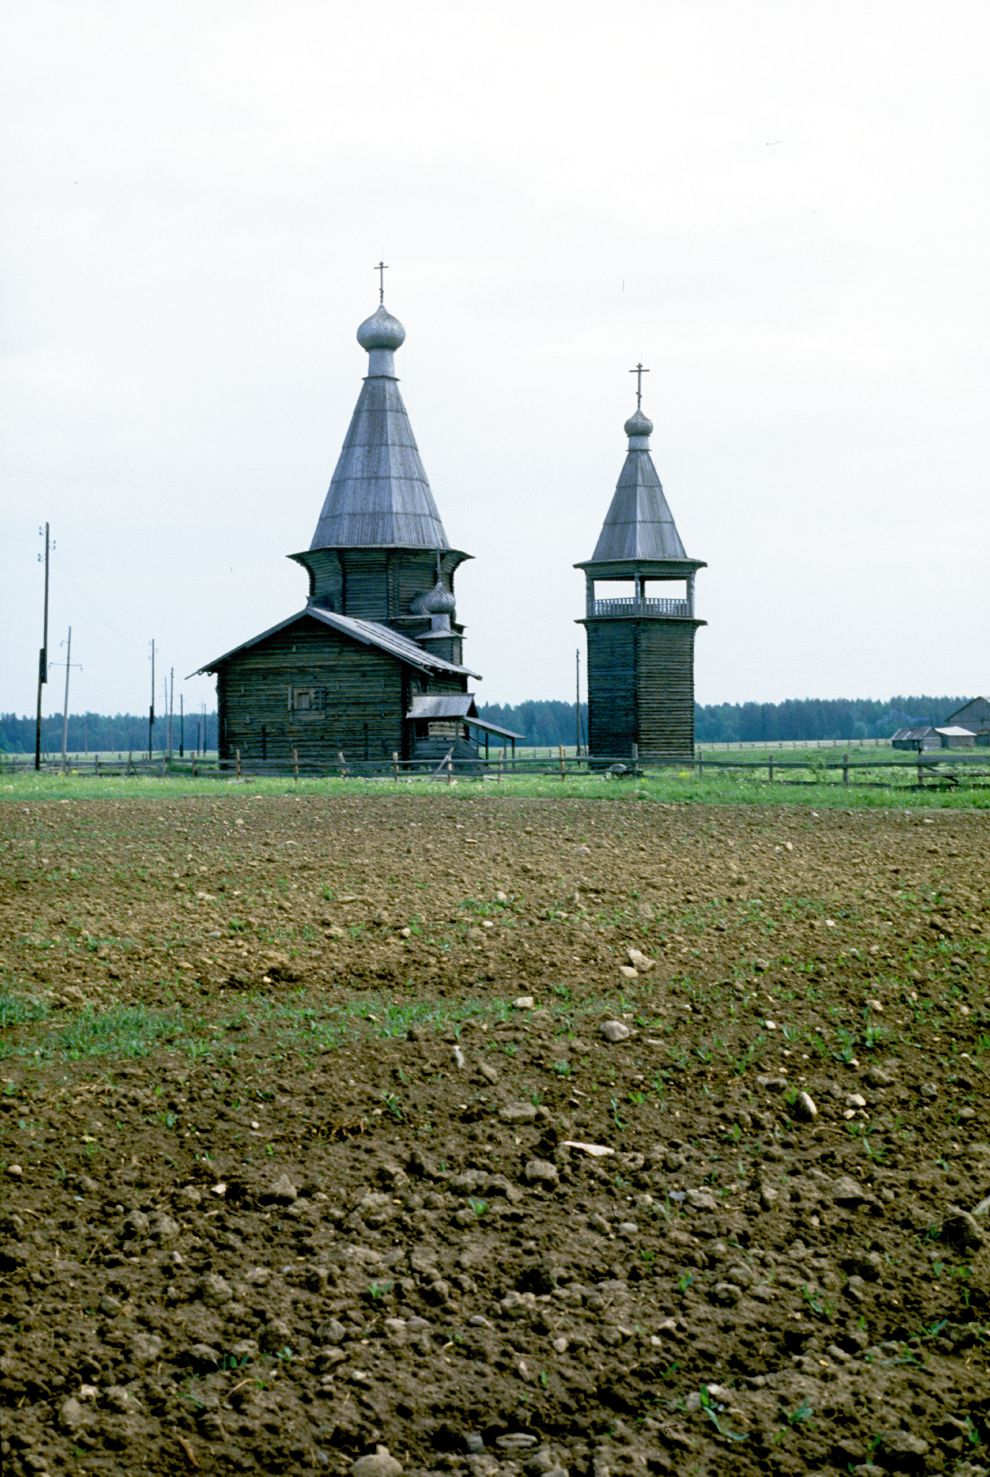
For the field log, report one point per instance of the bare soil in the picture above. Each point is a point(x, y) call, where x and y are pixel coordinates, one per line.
point(298, 1100)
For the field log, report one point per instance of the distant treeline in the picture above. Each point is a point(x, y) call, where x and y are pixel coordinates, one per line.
point(801, 719)
point(101, 733)
point(545, 723)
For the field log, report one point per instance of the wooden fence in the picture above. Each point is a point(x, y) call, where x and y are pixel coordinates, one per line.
point(931, 769)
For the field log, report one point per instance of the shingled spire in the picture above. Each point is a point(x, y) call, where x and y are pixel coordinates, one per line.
point(379, 495)
point(379, 546)
point(639, 525)
point(640, 642)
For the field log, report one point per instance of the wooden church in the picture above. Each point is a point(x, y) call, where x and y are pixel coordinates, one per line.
point(372, 666)
point(639, 617)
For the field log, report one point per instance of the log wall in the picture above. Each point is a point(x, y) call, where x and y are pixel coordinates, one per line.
point(372, 584)
point(315, 691)
point(641, 688)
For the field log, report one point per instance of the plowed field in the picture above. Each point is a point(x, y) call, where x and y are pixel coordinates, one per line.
point(515, 1137)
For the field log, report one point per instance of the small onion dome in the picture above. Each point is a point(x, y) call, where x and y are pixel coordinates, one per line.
point(439, 601)
point(381, 331)
point(638, 424)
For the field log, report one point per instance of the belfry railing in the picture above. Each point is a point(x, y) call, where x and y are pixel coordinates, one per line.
point(629, 605)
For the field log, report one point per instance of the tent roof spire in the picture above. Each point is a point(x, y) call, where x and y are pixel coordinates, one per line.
point(379, 494)
point(639, 525)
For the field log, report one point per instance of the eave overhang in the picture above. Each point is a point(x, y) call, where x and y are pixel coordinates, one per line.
point(660, 569)
point(368, 633)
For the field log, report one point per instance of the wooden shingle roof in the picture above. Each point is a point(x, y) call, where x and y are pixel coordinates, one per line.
point(368, 633)
point(379, 495)
point(639, 526)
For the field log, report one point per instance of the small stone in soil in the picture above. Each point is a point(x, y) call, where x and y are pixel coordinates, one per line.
point(847, 1191)
point(379, 1463)
point(282, 1191)
point(960, 1229)
point(541, 1172)
point(614, 1031)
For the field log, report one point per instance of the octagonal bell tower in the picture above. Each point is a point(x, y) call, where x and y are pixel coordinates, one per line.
point(640, 618)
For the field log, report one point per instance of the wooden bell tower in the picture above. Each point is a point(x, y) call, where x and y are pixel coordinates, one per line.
point(639, 617)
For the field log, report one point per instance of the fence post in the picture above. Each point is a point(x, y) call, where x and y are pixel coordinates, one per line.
point(192, 768)
point(921, 779)
point(560, 756)
point(845, 769)
point(295, 764)
point(635, 754)
point(343, 763)
point(395, 765)
point(237, 763)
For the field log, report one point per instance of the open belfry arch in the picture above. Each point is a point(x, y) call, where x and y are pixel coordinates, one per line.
point(640, 616)
point(372, 666)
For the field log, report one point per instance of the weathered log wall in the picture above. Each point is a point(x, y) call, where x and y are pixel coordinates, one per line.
point(317, 692)
point(372, 584)
point(641, 688)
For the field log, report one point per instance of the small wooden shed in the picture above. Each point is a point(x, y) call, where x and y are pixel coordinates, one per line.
point(917, 740)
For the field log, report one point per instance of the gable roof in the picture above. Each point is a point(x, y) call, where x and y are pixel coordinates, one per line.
point(976, 710)
point(369, 633)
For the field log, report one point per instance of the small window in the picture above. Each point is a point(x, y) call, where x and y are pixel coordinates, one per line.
point(307, 699)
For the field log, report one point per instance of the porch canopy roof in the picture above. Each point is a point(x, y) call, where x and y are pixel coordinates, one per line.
point(461, 705)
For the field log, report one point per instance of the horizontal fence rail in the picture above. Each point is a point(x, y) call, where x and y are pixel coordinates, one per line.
point(930, 769)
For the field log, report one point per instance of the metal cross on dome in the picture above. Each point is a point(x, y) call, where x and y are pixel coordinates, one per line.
point(639, 371)
point(381, 269)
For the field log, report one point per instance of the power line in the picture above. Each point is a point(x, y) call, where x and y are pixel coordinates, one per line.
point(82, 595)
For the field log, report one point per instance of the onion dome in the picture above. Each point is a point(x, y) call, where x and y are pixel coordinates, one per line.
point(638, 424)
point(381, 331)
point(439, 601)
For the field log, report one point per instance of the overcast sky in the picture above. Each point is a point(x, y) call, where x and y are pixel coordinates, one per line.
point(780, 208)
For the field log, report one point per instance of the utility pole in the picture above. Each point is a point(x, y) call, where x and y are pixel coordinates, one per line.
point(42, 658)
point(68, 664)
point(171, 708)
point(151, 710)
point(577, 701)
